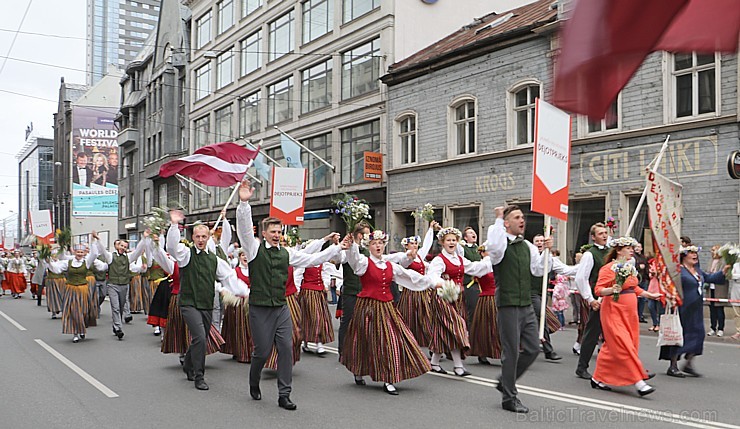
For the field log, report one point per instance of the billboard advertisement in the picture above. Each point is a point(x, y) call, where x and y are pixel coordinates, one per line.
point(94, 162)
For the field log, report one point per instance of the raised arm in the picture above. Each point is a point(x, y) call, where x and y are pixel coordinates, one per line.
point(108, 256)
point(245, 231)
point(138, 251)
point(58, 266)
point(477, 268)
point(410, 279)
point(582, 275)
point(159, 256)
point(496, 241)
point(357, 261)
point(426, 245)
point(299, 259)
point(178, 251)
point(225, 235)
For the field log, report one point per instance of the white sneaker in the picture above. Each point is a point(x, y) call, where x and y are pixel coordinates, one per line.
point(710, 333)
point(720, 333)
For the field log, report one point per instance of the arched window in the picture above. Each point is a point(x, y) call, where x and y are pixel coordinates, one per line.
point(406, 138)
point(522, 112)
point(463, 114)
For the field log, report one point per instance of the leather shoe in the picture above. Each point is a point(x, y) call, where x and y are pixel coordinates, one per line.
point(438, 369)
point(499, 386)
point(255, 393)
point(648, 391)
point(576, 352)
point(393, 392)
point(600, 386)
point(483, 361)
point(691, 372)
point(552, 356)
point(674, 372)
point(128, 319)
point(286, 403)
point(201, 385)
point(584, 374)
point(515, 405)
point(461, 371)
point(649, 375)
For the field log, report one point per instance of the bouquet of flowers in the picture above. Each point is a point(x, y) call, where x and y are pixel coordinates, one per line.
point(624, 270)
point(585, 248)
point(293, 236)
point(44, 251)
point(729, 253)
point(352, 210)
point(449, 291)
point(426, 213)
point(158, 221)
point(64, 238)
point(611, 224)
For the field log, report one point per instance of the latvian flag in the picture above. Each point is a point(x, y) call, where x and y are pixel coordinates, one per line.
point(219, 164)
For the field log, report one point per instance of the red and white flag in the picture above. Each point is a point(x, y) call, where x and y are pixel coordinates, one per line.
point(219, 164)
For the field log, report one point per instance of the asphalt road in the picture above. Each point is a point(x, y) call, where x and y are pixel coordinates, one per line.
point(130, 384)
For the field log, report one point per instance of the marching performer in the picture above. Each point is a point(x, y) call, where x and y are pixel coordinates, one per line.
point(161, 283)
point(15, 275)
point(415, 307)
point(484, 337)
point(296, 318)
point(235, 329)
point(54, 285)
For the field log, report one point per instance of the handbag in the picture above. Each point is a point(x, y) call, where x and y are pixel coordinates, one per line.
point(671, 331)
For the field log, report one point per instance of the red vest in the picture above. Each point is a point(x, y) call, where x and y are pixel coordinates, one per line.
point(241, 276)
point(417, 266)
point(290, 288)
point(312, 279)
point(376, 282)
point(487, 285)
point(454, 272)
point(176, 280)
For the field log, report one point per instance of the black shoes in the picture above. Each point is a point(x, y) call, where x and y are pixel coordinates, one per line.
point(674, 372)
point(460, 371)
point(552, 356)
point(576, 352)
point(255, 393)
point(690, 371)
point(483, 361)
point(649, 375)
point(600, 386)
point(359, 381)
point(438, 369)
point(647, 391)
point(128, 319)
point(201, 385)
point(390, 389)
point(515, 405)
point(119, 333)
point(499, 386)
point(584, 374)
point(285, 402)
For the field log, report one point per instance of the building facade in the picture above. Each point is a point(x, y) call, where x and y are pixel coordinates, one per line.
point(461, 130)
point(35, 179)
point(116, 32)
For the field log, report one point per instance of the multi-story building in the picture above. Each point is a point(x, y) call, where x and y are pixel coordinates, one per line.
point(311, 67)
point(461, 127)
point(116, 32)
point(153, 120)
point(35, 179)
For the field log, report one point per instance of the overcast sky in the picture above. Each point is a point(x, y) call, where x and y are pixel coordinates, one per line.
point(61, 18)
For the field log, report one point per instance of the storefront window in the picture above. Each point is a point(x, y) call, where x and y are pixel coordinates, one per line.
point(581, 215)
point(467, 217)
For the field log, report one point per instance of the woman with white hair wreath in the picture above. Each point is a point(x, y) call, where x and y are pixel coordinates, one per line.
point(235, 326)
point(449, 330)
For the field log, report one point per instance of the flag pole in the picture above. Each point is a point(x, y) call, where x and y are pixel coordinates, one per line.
point(545, 277)
point(192, 182)
point(233, 193)
point(302, 146)
point(656, 165)
point(261, 151)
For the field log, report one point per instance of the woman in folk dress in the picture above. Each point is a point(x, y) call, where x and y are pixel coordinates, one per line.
point(415, 307)
point(235, 326)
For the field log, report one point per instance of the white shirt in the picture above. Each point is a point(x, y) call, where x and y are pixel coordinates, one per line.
point(330, 271)
point(82, 174)
point(62, 265)
point(476, 269)
point(498, 240)
point(583, 273)
point(108, 256)
point(407, 278)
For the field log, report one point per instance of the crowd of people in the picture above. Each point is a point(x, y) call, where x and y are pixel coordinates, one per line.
point(265, 300)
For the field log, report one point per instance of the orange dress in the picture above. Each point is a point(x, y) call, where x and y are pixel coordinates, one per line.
point(618, 362)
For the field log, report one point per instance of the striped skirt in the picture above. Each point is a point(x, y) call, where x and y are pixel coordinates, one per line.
point(551, 320)
point(484, 338)
point(91, 318)
point(379, 345)
point(215, 341)
point(449, 331)
point(55, 295)
point(76, 308)
point(135, 295)
point(295, 314)
point(146, 294)
point(585, 307)
point(316, 326)
point(177, 337)
point(235, 329)
point(415, 309)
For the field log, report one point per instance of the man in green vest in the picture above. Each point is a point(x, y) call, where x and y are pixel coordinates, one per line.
point(100, 271)
point(472, 290)
point(515, 261)
point(269, 316)
point(350, 284)
point(586, 277)
point(200, 269)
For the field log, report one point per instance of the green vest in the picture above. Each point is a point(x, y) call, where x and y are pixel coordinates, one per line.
point(99, 275)
point(197, 280)
point(471, 254)
point(50, 275)
point(118, 270)
point(513, 277)
point(220, 253)
point(599, 255)
point(268, 273)
point(350, 281)
point(76, 276)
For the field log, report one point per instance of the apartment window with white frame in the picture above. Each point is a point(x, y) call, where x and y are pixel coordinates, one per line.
point(318, 18)
point(280, 101)
point(523, 107)
point(225, 15)
point(464, 130)
point(407, 149)
point(361, 69)
point(355, 8)
point(202, 128)
point(611, 120)
point(316, 87)
point(224, 69)
point(251, 49)
point(203, 30)
point(319, 174)
point(281, 36)
point(203, 81)
point(249, 114)
point(223, 124)
point(694, 84)
point(249, 6)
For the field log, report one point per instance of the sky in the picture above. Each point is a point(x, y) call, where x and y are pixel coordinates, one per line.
point(66, 21)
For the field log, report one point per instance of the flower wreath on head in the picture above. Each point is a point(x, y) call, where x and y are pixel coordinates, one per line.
point(449, 230)
point(413, 239)
point(378, 234)
point(687, 249)
point(623, 241)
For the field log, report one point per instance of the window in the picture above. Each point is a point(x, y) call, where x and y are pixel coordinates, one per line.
point(281, 36)
point(318, 18)
point(221, 195)
point(316, 87)
point(202, 130)
point(319, 174)
point(581, 215)
point(162, 195)
point(126, 166)
point(249, 6)
point(249, 114)
point(147, 201)
point(225, 15)
point(224, 69)
point(223, 124)
point(610, 121)
point(467, 217)
point(251, 48)
point(360, 69)
point(275, 153)
point(407, 139)
point(123, 207)
point(203, 81)
point(203, 30)
point(356, 8)
point(534, 222)
point(694, 84)
point(641, 223)
point(463, 126)
point(524, 109)
point(279, 102)
point(355, 141)
point(200, 198)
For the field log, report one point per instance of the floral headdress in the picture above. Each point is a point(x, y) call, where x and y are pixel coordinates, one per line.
point(375, 235)
point(623, 241)
point(691, 248)
point(449, 230)
point(413, 239)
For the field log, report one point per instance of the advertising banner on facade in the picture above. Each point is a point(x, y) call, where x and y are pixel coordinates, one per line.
point(373, 166)
point(664, 211)
point(41, 225)
point(551, 177)
point(94, 162)
point(288, 195)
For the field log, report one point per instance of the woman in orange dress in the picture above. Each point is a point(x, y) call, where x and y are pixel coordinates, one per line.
point(618, 363)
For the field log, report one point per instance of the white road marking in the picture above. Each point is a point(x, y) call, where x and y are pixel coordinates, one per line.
point(87, 377)
point(16, 324)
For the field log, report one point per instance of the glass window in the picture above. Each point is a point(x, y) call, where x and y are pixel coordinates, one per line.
point(249, 114)
point(464, 127)
point(220, 195)
point(467, 217)
point(279, 101)
point(319, 174)
point(524, 113)
point(642, 226)
point(224, 69)
point(610, 121)
point(695, 84)
point(360, 69)
point(225, 15)
point(203, 81)
point(147, 201)
point(355, 141)
point(281, 36)
point(203, 30)
point(275, 153)
point(581, 215)
point(251, 48)
point(318, 18)
point(200, 198)
point(223, 124)
point(202, 130)
point(124, 206)
point(249, 6)
point(316, 87)
point(534, 222)
point(162, 195)
point(407, 139)
point(356, 8)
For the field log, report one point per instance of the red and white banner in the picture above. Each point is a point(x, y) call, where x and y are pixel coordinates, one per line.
point(219, 164)
point(288, 199)
point(664, 212)
point(551, 172)
point(41, 225)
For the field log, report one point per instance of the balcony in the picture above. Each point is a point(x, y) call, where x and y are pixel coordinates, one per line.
point(129, 136)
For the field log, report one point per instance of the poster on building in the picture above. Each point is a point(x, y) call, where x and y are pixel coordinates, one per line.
point(664, 212)
point(373, 166)
point(42, 226)
point(94, 162)
point(551, 172)
point(288, 195)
